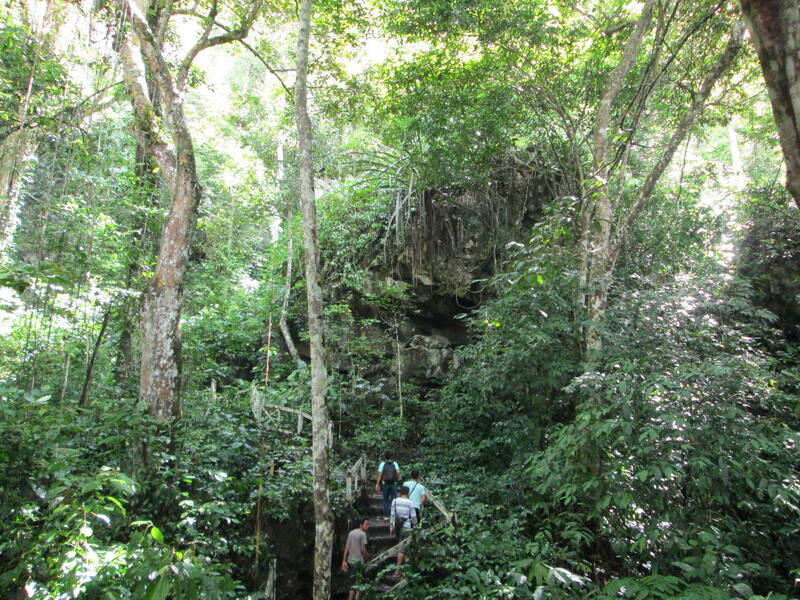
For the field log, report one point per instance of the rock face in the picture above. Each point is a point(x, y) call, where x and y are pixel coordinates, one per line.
point(426, 356)
point(426, 269)
point(430, 268)
point(401, 323)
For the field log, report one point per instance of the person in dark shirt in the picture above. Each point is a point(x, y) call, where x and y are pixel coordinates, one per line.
point(386, 482)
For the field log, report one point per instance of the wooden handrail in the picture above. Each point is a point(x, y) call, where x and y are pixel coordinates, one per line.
point(259, 409)
point(451, 517)
point(356, 477)
point(389, 552)
point(296, 411)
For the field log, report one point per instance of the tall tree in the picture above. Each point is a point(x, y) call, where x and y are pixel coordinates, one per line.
point(598, 212)
point(323, 542)
point(775, 30)
point(166, 136)
point(606, 222)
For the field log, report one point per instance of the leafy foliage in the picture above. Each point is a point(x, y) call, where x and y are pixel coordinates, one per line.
point(33, 81)
point(449, 180)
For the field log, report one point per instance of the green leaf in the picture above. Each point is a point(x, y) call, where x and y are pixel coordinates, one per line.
point(156, 534)
point(684, 567)
point(91, 485)
point(119, 505)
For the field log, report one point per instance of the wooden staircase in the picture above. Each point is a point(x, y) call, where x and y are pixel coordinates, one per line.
point(382, 546)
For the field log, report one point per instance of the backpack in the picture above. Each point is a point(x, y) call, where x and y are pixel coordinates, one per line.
point(389, 472)
point(400, 523)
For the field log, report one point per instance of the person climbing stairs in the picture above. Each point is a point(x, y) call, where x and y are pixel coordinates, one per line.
point(379, 544)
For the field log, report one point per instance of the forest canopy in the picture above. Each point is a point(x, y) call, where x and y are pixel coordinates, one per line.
point(545, 252)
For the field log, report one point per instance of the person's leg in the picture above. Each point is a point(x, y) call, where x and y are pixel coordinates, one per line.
point(359, 575)
point(419, 514)
point(389, 493)
point(351, 595)
point(387, 503)
point(392, 495)
point(400, 558)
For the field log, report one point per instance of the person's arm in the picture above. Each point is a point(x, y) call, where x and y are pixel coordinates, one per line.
point(345, 566)
point(378, 480)
point(364, 552)
point(412, 515)
point(392, 516)
point(424, 498)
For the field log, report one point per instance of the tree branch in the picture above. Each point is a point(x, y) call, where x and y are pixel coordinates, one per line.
point(699, 102)
point(149, 50)
point(263, 61)
point(146, 129)
point(600, 142)
point(206, 41)
point(200, 44)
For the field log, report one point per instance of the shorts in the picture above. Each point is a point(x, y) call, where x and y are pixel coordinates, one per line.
point(403, 533)
point(356, 573)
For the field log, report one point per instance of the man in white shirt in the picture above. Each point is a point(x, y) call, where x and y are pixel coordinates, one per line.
point(402, 520)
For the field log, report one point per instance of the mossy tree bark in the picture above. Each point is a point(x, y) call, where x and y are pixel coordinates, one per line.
point(775, 30)
point(166, 136)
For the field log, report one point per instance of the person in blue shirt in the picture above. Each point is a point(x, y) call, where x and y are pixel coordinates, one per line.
point(416, 492)
point(386, 483)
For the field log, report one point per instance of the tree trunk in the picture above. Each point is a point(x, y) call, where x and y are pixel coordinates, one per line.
point(87, 380)
point(159, 381)
point(775, 30)
point(599, 211)
point(165, 135)
point(287, 291)
point(603, 249)
point(323, 542)
point(143, 245)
